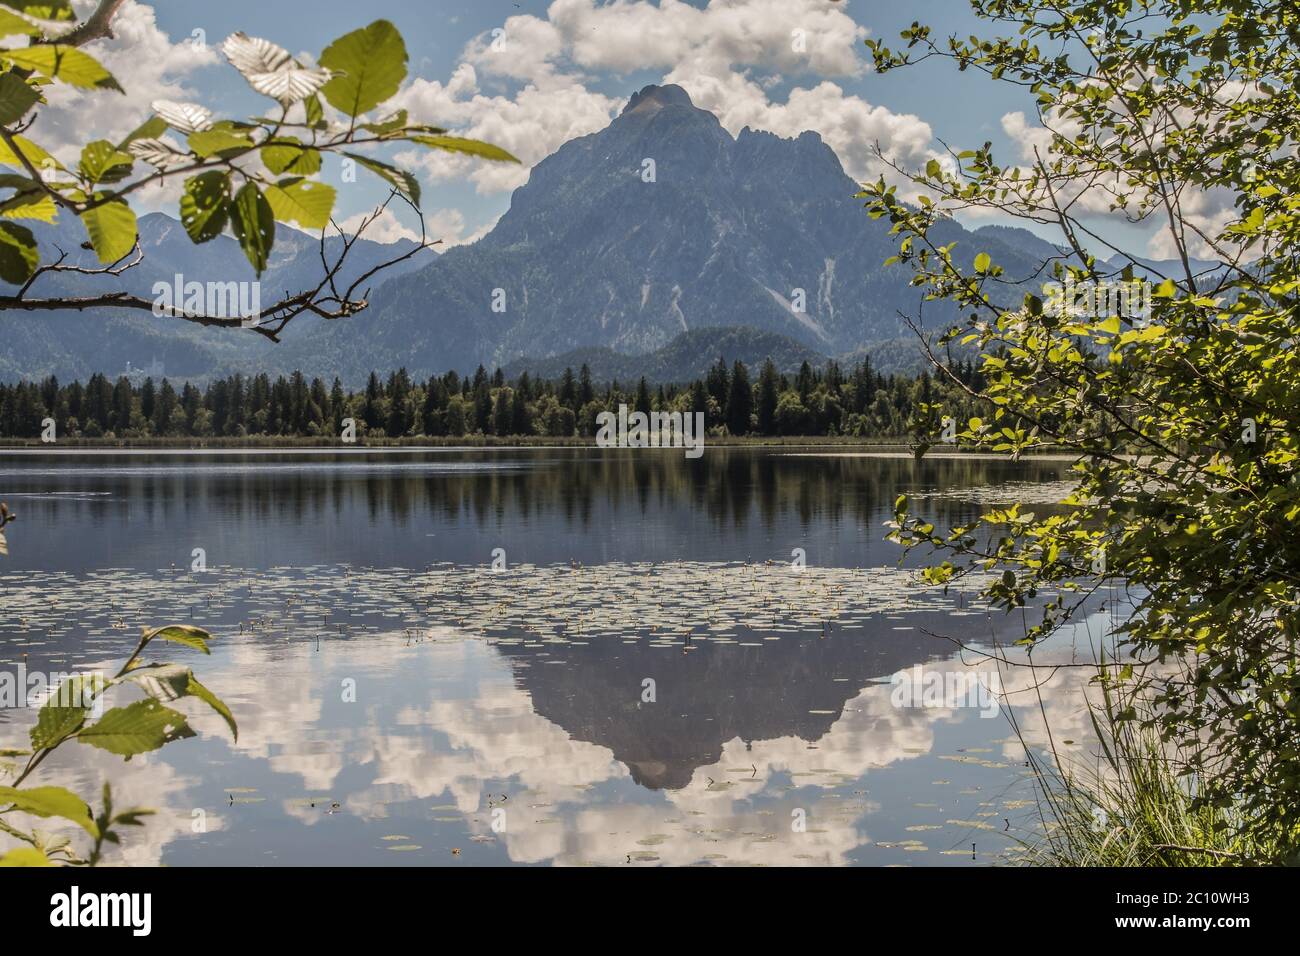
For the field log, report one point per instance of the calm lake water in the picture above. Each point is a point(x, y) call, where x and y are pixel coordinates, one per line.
point(546, 656)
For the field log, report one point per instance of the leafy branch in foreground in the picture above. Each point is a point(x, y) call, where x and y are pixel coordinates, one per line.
point(241, 175)
point(136, 728)
point(1183, 420)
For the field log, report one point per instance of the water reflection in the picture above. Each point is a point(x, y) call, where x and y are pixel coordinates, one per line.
point(148, 510)
point(480, 724)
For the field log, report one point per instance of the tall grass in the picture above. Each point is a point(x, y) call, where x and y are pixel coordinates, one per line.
point(1137, 807)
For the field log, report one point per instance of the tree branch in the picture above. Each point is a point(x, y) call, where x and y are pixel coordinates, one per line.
point(98, 26)
point(324, 300)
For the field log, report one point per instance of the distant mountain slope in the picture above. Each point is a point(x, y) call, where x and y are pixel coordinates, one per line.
point(685, 358)
point(75, 344)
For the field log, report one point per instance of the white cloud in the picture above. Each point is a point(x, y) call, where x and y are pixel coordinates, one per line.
point(447, 225)
point(788, 35)
point(531, 124)
point(387, 228)
point(727, 55)
point(525, 48)
point(1208, 211)
point(147, 63)
point(848, 124)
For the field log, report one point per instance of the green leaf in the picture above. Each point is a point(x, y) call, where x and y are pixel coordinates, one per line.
point(303, 201)
point(315, 112)
point(151, 128)
point(13, 25)
point(51, 802)
point(19, 258)
point(20, 183)
point(253, 222)
point(185, 634)
point(218, 142)
point(38, 157)
point(136, 728)
point(172, 681)
point(102, 162)
point(982, 262)
point(212, 700)
point(131, 816)
point(399, 179)
point(64, 63)
point(112, 230)
point(25, 856)
point(16, 95)
point(369, 66)
point(288, 155)
point(388, 126)
point(65, 711)
point(473, 147)
point(42, 9)
point(205, 206)
point(38, 206)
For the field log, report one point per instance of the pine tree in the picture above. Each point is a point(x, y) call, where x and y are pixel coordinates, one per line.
point(740, 400)
point(768, 394)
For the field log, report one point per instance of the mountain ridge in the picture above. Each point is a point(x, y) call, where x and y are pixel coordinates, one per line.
point(685, 358)
point(660, 224)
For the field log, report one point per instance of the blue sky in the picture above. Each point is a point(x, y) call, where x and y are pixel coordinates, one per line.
point(568, 67)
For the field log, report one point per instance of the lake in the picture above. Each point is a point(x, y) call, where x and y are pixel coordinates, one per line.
point(539, 656)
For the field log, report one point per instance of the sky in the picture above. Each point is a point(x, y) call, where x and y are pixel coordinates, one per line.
point(565, 69)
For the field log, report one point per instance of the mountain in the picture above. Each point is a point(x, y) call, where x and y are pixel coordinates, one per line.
point(753, 230)
point(687, 357)
point(1021, 239)
point(661, 224)
point(74, 344)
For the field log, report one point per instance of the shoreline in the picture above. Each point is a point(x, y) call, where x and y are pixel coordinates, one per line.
point(821, 445)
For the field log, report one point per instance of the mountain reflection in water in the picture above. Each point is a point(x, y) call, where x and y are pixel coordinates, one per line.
point(505, 714)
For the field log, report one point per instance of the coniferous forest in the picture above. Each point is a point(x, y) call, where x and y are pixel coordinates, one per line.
point(858, 403)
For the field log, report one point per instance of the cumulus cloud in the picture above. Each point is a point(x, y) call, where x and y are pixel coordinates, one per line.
point(1208, 211)
point(538, 81)
point(531, 124)
point(728, 55)
point(386, 228)
point(147, 63)
point(849, 124)
point(787, 35)
point(447, 226)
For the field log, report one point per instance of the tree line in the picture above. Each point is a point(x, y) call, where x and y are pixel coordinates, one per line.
point(829, 401)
